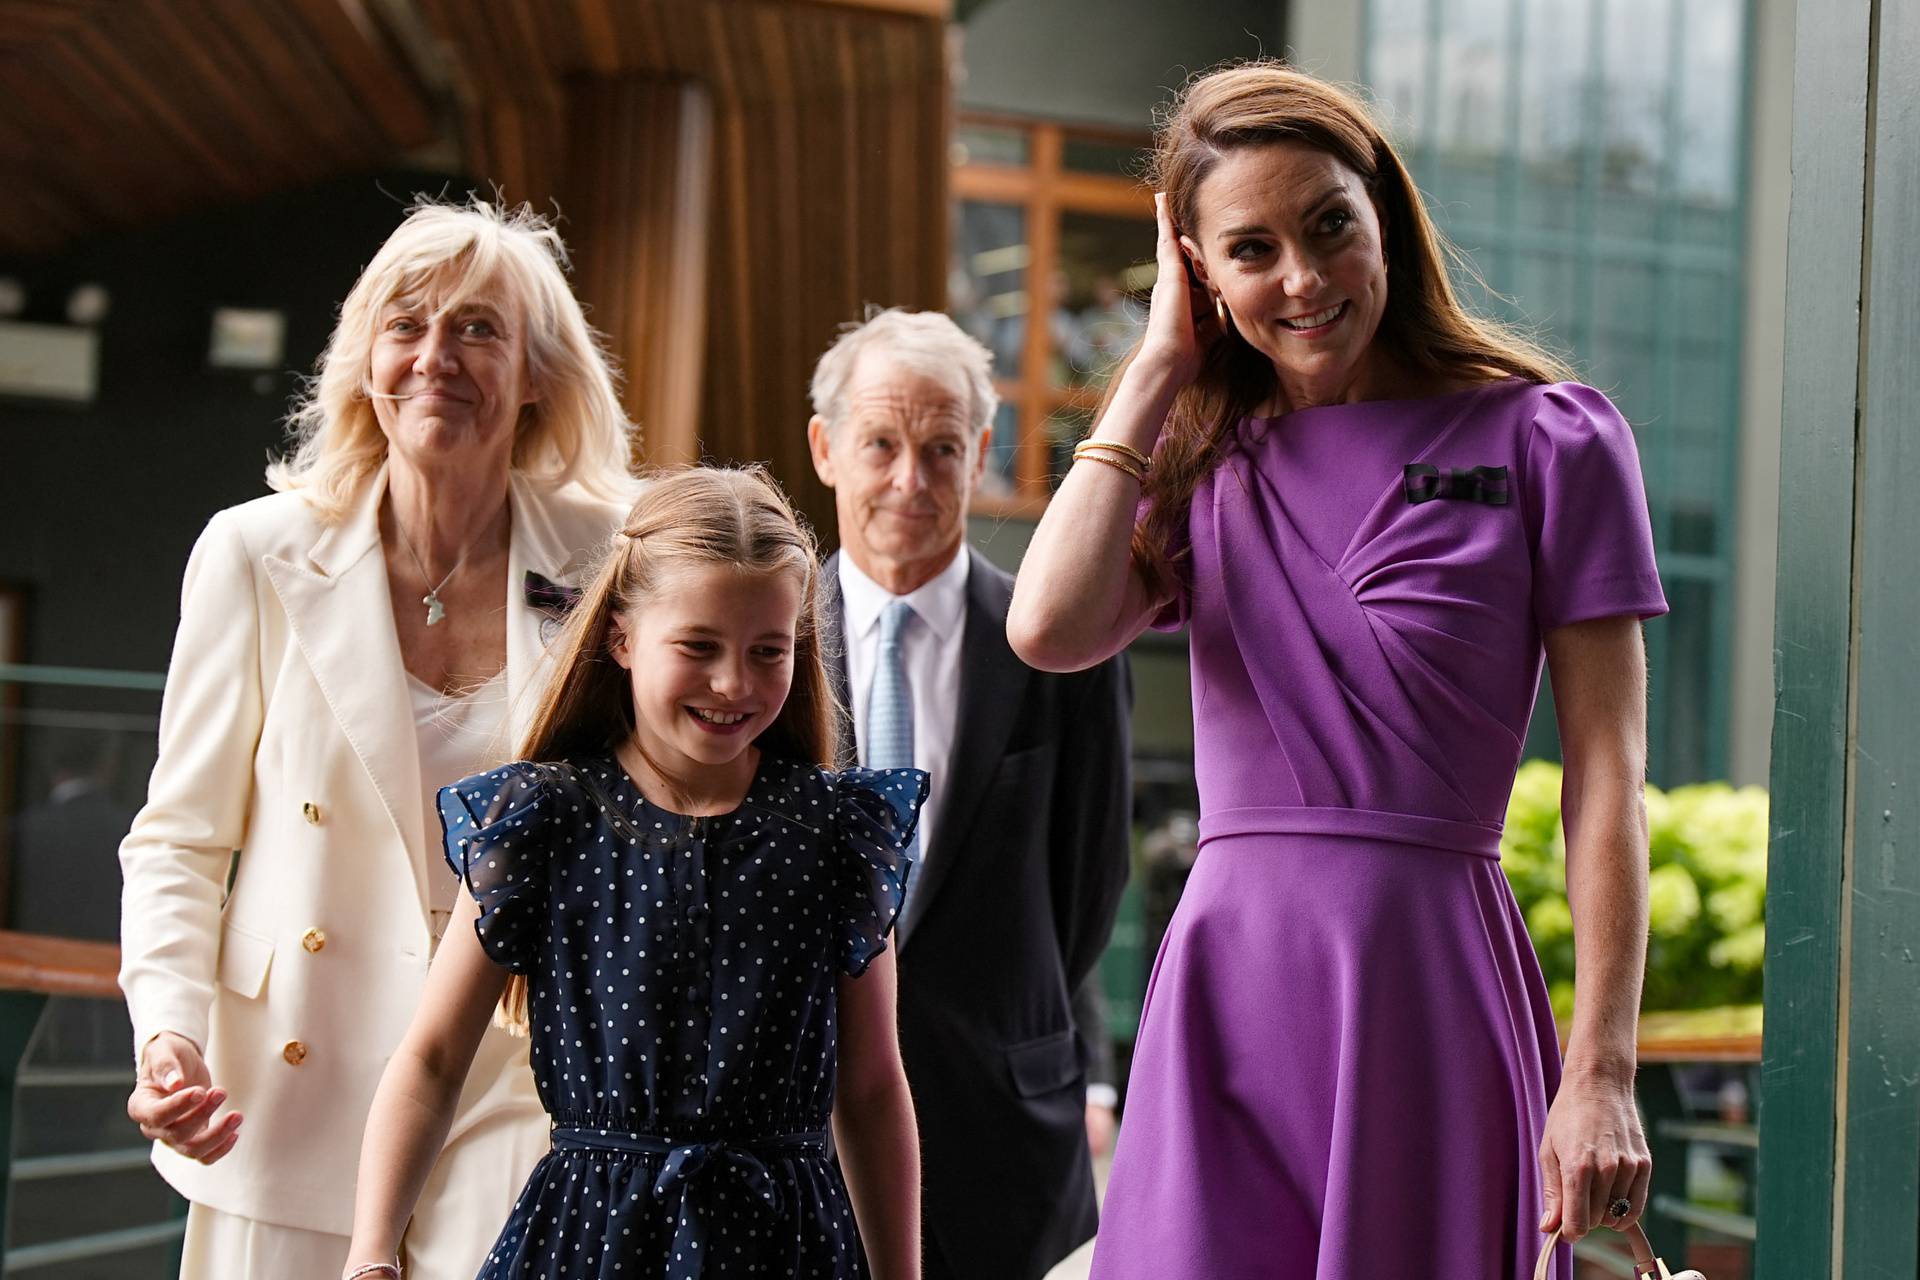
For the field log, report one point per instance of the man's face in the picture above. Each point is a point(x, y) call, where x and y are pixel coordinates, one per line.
point(902, 463)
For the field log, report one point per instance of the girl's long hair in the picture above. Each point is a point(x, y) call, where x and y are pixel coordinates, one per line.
point(737, 518)
point(1425, 323)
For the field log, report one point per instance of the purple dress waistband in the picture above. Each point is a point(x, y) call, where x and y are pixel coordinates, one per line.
point(1482, 840)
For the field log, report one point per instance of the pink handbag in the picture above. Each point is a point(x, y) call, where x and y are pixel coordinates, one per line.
point(1645, 1264)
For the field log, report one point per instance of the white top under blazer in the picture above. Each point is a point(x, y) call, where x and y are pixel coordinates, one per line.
point(287, 734)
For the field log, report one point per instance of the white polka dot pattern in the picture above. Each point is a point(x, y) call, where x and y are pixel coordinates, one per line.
point(681, 990)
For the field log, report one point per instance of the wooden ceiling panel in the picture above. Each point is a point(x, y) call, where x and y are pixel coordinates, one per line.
point(142, 109)
point(368, 71)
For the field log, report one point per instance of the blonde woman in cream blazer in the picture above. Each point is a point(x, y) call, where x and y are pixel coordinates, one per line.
point(462, 439)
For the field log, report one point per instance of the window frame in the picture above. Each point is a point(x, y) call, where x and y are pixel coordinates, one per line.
point(1045, 190)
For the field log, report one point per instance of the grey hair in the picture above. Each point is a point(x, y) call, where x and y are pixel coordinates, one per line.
point(927, 342)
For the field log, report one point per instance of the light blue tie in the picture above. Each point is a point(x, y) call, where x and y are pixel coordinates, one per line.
point(890, 701)
point(890, 712)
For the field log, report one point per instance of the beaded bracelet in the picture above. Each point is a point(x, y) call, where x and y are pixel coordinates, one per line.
point(375, 1269)
point(1140, 459)
point(1115, 463)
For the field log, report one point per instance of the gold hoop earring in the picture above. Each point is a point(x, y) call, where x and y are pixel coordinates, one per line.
point(1220, 308)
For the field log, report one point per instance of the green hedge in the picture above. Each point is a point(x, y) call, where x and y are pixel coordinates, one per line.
point(1707, 890)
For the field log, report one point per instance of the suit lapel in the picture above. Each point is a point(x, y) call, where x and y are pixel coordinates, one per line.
point(339, 609)
point(537, 546)
point(340, 612)
point(993, 685)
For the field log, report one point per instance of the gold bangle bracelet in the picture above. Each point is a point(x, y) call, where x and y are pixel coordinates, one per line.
point(1126, 450)
point(1115, 463)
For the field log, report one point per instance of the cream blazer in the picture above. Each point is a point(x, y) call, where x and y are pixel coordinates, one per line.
point(286, 734)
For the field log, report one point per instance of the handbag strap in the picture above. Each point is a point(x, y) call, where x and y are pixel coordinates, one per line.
point(1644, 1262)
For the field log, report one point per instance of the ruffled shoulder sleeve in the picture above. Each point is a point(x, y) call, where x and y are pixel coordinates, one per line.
point(1586, 512)
point(498, 833)
point(875, 813)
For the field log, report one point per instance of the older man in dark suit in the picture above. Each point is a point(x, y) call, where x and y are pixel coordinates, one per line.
point(1023, 845)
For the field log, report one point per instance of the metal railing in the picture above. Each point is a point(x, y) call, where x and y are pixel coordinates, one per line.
point(34, 971)
point(1681, 1224)
point(78, 1197)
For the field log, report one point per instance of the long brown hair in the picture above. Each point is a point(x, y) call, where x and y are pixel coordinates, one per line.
point(733, 517)
point(1425, 323)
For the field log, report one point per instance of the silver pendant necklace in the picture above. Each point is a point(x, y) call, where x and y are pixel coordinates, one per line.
point(435, 609)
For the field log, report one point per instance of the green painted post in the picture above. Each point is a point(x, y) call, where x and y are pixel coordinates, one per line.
point(1881, 1204)
point(19, 1015)
point(1840, 1094)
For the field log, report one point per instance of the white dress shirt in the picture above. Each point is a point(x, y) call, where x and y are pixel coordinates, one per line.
point(930, 647)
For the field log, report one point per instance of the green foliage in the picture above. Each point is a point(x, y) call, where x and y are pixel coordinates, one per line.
point(1707, 889)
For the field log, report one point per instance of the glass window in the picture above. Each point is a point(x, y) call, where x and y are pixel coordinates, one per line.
point(1065, 427)
point(1688, 675)
point(1470, 125)
point(1100, 295)
point(987, 285)
point(1634, 101)
point(1097, 155)
point(977, 143)
point(1550, 116)
point(1072, 235)
point(1002, 476)
point(1398, 66)
point(1709, 89)
point(1587, 155)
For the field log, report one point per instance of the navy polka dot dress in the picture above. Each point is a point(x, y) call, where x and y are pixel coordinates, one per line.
point(681, 992)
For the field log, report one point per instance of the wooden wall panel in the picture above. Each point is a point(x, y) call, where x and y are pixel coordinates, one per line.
point(638, 195)
point(826, 174)
point(827, 203)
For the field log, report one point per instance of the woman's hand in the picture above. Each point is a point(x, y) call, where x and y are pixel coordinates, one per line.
point(1180, 324)
point(1593, 1153)
point(174, 1099)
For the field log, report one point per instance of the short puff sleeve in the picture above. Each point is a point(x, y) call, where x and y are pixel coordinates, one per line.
point(875, 813)
point(1586, 513)
point(497, 829)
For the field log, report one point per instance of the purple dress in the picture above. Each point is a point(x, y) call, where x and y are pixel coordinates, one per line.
point(1347, 1050)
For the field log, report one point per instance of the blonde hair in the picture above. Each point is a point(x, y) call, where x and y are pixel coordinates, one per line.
point(1426, 325)
point(575, 432)
point(737, 518)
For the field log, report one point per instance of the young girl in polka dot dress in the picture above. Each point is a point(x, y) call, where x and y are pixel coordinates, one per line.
point(693, 910)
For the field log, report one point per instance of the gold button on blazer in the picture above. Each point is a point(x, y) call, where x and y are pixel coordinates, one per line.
point(286, 684)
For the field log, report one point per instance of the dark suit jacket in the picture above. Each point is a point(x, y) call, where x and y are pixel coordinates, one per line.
point(1030, 854)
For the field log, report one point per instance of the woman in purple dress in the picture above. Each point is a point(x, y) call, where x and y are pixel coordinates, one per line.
point(1377, 514)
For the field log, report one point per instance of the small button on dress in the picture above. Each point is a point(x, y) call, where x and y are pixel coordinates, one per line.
point(682, 1000)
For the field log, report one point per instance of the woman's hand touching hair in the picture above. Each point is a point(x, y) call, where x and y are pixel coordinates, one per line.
point(1180, 320)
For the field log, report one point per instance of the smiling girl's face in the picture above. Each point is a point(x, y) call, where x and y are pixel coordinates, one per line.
point(1288, 235)
point(710, 660)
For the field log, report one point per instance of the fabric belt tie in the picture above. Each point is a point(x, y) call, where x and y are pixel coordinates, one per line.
point(1479, 839)
point(691, 1166)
